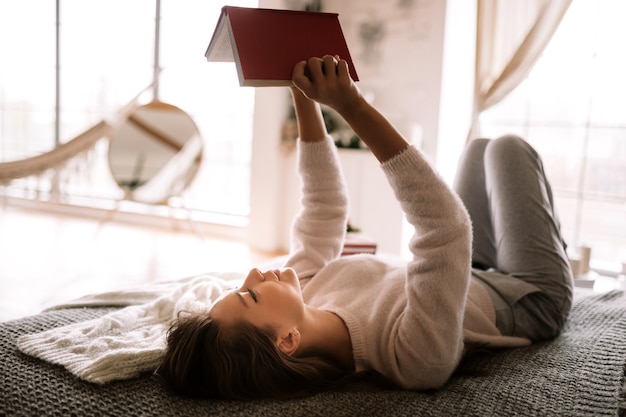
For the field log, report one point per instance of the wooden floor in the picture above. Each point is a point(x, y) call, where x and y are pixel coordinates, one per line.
point(48, 258)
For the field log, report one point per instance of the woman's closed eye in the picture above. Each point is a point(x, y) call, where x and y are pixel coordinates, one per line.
point(252, 294)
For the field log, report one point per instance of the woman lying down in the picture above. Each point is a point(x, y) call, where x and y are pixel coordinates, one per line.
point(488, 270)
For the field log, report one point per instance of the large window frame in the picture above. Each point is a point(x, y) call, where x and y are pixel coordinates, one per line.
point(69, 64)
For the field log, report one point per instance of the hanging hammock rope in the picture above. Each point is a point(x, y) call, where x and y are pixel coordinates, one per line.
point(57, 157)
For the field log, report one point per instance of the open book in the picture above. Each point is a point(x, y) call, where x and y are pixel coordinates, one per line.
point(265, 44)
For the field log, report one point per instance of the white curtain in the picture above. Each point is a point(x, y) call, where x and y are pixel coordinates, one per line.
point(510, 36)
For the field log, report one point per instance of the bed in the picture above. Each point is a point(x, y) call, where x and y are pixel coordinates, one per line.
point(580, 373)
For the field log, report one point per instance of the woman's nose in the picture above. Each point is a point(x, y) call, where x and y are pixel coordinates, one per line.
point(255, 274)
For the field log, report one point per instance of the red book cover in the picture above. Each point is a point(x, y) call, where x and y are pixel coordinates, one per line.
point(265, 44)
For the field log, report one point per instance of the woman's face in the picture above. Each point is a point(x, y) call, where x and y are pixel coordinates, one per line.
point(266, 299)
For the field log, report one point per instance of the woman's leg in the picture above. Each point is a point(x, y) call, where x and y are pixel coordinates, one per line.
point(470, 186)
point(527, 237)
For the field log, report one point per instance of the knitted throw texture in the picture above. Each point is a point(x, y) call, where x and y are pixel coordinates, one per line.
point(127, 342)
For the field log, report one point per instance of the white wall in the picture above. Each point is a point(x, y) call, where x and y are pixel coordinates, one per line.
point(400, 65)
point(401, 71)
point(269, 217)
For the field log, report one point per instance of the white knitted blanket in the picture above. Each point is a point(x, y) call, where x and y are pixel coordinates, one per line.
point(130, 341)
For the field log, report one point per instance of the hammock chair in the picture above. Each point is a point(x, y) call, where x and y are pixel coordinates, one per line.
point(55, 158)
point(173, 175)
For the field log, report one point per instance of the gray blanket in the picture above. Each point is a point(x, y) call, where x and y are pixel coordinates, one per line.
point(579, 373)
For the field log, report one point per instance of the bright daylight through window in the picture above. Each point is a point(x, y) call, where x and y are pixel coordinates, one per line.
point(106, 57)
point(572, 108)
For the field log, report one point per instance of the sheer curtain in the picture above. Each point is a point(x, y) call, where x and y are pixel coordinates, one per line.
point(510, 36)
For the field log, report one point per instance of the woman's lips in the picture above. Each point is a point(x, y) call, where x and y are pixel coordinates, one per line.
point(277, 273)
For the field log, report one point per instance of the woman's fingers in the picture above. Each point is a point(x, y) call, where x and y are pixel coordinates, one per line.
point(326, 80)
point(330, 66)
point(342, 69)
point(299, 76)
point(316, 68)
point(322, 68)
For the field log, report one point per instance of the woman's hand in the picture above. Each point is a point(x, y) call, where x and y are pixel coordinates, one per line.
point(327, 81)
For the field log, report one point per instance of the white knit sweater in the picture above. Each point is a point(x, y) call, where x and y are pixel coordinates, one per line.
point(129, 341)
point(410, 323)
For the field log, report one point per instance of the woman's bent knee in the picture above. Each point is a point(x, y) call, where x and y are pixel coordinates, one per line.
point(510, 146)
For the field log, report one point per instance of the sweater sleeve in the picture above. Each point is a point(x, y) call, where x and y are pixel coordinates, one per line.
point(429, 340)
point(319, 228)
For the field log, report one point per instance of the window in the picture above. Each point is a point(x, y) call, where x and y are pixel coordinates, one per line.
point(27, 78)
point(106, 57)
point(571, 108)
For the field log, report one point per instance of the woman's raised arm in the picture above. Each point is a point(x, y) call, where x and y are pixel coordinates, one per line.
point(318, 231)
point(311, 127)
point(327, 81)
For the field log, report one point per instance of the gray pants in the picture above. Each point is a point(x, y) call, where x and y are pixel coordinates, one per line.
point(518, 253)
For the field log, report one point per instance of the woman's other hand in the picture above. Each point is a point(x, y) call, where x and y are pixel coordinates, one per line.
point(327, 81)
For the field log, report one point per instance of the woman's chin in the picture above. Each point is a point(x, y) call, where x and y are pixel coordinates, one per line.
point(288, 275)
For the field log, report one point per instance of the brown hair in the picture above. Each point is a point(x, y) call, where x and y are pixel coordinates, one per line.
point(205, 358)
